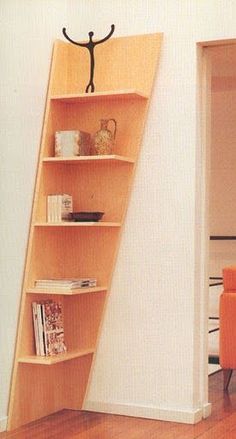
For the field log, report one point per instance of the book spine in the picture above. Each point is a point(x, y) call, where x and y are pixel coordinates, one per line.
point(66, 207)
point(54, 208)
point(48, 208)
point(40, 326)
point(44, 329)
point(59, 208)
point(36, 328)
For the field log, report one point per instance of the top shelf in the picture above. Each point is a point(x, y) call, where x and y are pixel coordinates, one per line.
point(95, 97)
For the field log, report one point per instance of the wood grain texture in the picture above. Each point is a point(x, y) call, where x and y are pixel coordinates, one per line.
point(111, 71)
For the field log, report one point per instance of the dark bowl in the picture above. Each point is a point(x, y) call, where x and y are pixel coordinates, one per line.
point(86, 216)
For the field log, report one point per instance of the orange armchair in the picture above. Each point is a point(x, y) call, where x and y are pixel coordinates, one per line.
point(227, 348)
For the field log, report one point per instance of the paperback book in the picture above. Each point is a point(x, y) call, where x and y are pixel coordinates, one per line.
point(65, 284)
point(48, 328)
point(59, 208)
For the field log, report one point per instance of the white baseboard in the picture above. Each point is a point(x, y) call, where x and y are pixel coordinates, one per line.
point(213, 368)
point(206, 410)
point(3, 423)
point(149, 412)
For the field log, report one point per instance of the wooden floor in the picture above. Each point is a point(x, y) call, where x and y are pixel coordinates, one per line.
point(87, 425)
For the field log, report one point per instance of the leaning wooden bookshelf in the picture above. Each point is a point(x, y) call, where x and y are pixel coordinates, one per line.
point(125, 69)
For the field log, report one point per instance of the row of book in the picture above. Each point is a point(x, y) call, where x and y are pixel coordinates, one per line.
point(65, 284)
point(48, 328)
point(59, 208)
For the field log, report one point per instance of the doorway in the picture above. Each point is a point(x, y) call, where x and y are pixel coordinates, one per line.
point(218, 131)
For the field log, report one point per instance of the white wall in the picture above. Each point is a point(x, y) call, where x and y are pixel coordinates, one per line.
point(27, 32)
point(150, 355)
point(149, 360)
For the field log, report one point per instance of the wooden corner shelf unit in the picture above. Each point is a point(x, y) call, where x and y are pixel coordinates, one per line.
point(125, 69)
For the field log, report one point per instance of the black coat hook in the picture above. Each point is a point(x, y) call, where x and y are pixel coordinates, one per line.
point(90, 46)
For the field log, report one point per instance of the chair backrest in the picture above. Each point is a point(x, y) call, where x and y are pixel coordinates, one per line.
point(227, 348)
point(229, 278)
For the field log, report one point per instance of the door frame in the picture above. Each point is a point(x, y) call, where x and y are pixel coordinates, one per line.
point(203, 136)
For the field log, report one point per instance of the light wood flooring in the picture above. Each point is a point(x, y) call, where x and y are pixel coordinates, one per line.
point(87, 425)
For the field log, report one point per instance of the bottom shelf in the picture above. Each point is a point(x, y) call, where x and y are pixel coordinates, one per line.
point(41, 390)
point(50, 360)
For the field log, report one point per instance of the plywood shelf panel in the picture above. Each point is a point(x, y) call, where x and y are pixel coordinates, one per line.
point(73, 292)
point(51, 360)
point(80, 249)
point(97, 96)
point(113, 158)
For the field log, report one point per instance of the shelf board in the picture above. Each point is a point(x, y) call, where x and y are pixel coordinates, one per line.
point(49, 361)
point(72, 292)
point(100, 95)
point(89, 158)
point(79, 224)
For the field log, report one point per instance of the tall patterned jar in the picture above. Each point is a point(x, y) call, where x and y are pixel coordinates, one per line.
point(104, 138)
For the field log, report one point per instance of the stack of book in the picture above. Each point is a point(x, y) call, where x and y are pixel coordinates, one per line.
point(72, 143)
point(48, 328)
point(65, 284)
point(59, 208)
